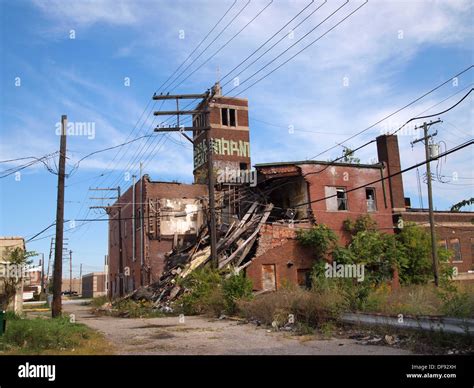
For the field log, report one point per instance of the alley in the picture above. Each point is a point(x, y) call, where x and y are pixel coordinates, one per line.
point(205, 336)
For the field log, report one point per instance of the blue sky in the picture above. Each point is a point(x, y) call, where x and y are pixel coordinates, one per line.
point(384, 56)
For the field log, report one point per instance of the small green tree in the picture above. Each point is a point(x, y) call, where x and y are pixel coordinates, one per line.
point(17, 259)
point(236, 287)
point(417, 266)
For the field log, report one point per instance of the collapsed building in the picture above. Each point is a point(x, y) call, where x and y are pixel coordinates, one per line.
point(163, 231)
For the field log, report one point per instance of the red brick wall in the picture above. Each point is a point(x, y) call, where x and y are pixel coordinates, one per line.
point(388, 153)
point(154, 250)
point(348, 177)
point(448, 226)
point(277, 246)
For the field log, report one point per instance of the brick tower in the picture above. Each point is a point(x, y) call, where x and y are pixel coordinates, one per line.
point(229, 131)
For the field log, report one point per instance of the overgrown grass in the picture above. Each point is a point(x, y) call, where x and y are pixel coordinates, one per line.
point(308, 308)
point(127, 308)
point(99, 301)
point(50, 336)
point(455, 301)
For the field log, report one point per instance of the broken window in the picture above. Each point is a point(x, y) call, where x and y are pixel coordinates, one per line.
point(225, 120)
point(228, 117)
point(370, 198)
point(341, 196)
point(456, 247)
point(304, 278)
point(232, 117)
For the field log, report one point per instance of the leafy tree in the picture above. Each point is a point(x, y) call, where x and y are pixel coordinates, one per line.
point(320, 238)
point(458, 206)
point(17, 258)
point(416, 267)
point(348, 156)
point(362, 223)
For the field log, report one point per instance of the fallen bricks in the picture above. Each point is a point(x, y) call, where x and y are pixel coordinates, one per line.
point(232, 250)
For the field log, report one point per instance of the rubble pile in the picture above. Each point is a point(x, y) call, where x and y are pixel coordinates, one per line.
point(233, 248)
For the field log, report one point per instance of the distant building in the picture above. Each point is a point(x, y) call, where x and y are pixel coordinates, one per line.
point(93, 285)
point(7, 243)
point(68, 285)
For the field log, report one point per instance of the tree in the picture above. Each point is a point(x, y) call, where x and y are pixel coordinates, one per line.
point(458, 206)
point(348, 156)
point(16, 259)
point(320, 238)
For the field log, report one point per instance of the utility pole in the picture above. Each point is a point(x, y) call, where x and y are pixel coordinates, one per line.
point(434, 249)
point(49, 260)
point(80, 280)
point(212, 201)
point(108, 208)
point(142, 235)
point(70, 272)
point(133, 219)
point(42, 273)
point(58, 251)
point(210, 148)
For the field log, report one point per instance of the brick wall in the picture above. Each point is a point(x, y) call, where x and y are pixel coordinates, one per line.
point(154, 249)
point(450, 226)
point(277, 246)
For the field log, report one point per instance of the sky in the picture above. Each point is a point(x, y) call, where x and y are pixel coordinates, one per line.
point(99, 63)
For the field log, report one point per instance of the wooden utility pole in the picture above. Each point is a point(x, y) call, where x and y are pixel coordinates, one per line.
point(133, 219)
point(80, 280)
point(42, 273)
point(49, 260)
point(210, 151)
point(434, 248)
point(142, 233)
point(212, 201)
point(58, 250)
point(70, 272)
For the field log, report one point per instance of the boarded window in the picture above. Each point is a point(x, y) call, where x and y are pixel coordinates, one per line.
point(225, 120)
point(456, 247)
point(370, 198)
point(331, 200)
point(268, 277)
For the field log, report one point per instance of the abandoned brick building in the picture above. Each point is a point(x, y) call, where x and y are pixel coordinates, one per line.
point(158, 217)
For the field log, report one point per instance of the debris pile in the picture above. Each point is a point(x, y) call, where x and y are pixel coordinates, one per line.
point(233, 248)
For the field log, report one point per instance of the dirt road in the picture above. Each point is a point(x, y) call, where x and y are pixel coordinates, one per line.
point(204, 336)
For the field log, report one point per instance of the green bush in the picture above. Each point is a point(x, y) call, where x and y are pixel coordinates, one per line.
point(135, 309)
point(99, 301)
point(236, 287)
point(204, 292)
point(210, 292)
